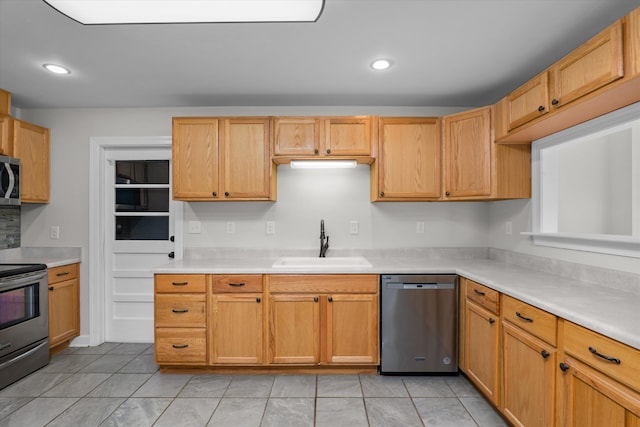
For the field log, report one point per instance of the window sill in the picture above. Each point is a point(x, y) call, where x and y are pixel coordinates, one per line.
point(609, 244)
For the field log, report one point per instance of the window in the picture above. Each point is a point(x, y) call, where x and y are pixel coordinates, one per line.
point(586, 186)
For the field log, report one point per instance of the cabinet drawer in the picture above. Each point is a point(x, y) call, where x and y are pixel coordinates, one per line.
point(180, 283)
point(594, 349)
point(236, 283)
point(339, 283)
point(486, 297)
point(181, 346)
point(533, 320)
point(180, 310)
point(62, 273)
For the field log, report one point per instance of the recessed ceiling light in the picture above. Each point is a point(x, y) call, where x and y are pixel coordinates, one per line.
point(381, 64)
point(56, 69)
point(185, 11)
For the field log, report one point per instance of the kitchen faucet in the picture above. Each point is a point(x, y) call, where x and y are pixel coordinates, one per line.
point(324, 245)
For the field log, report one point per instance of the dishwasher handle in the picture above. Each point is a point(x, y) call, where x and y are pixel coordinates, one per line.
point(425, 286)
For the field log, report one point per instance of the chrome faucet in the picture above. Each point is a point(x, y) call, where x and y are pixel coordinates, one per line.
point(324, 245)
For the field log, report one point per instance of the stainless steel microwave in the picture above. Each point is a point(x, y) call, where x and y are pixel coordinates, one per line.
point(9, 181)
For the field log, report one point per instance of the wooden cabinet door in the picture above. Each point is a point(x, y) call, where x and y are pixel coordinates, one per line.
point(6, 135)
point(467, 154)
point(31, 146)
point(296, 136)
point(352, 329)
point(236, 329)
point(63, 311)
point(408, 161)
point(528, 372)
point(587, 398)
point(483, 351)
point(195, 158)
point(294, 329)
point(593, 65)
point(347, 136)
point(632, 43)
point(529, 101)
point(246, 168)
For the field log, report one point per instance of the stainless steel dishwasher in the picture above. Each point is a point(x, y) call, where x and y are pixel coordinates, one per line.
point(419, 323)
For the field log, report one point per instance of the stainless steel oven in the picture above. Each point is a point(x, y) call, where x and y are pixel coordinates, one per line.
point(24, 324)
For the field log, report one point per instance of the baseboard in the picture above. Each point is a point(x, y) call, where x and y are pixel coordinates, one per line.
point(80, 341)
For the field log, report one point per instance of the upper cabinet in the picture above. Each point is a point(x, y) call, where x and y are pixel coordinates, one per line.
point(593, 65)
point(529, 101)
point(31, 146)
point(408, 163)
point(632, 44)
point(6, 135)
point(322, 137)
point(218, 159)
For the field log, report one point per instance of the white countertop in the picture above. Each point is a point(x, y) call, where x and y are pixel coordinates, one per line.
point(611, 312)
point(52, 257)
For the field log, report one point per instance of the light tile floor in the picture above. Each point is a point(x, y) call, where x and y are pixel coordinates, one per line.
point(119, 385)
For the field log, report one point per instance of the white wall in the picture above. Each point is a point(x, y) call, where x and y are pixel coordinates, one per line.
point(297, 225)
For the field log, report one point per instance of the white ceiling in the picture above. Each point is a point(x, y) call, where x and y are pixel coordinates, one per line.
point(444, 52)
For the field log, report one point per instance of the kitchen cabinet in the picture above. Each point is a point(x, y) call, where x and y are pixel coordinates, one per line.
point(222, 159)
point(5, 102)
point(64, 306)
point(180, 309)
point(31, 146)
point(323, 319)
point(593, 65)
point(529, 101)
point(6, 135)
point(474, 168)
point(593, 390)
point(236, 320)
point(528, 364)
point(632, 43)
point(408, 164)
point(482, 341)
point(323, 137)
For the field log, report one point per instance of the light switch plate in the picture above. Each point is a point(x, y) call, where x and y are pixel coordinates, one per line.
point(419, 227)
point(270, 227)
point(195, 227)
point(231, 227)
point(55, 232)
point(354, 227)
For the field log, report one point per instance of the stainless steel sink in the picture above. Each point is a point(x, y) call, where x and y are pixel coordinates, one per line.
point(317, 262)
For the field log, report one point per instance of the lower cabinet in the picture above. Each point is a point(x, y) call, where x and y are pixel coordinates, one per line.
point(64, 305)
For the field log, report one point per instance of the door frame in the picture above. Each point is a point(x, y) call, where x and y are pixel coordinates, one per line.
point(97, 239)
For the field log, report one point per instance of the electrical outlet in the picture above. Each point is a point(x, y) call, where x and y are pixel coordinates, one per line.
point(270, 227)
point(354, 227)
point(508, 227)
point(419, 227)
point(55, 232)
point(195, 227)
point(231, 227)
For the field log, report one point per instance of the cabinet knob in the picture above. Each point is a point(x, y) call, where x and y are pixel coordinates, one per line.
point(330, 299)
point(541, 108)
point(51, 288)
point(214, 194)
point(382, 194)
point(316, 151)
point(315, 299)
point(226, 194)
point(555, 102)
point(564, 367)
point(328, 151)
point(492, 320)
point(258, 299)
point(446, 193)
point(545, 354)
point(171, 254)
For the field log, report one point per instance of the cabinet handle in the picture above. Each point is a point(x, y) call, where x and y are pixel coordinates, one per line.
point(602, 356)
point(564, 367)
point(214, 194)
point(555, 102)
point(315, 299)
point(492, 320)
point(51, 288)
point(328, 151)
point(226, 194)
point(237, 285)
point(526, 319)
point(258, 299)
point(315, 151)
point(330, 299)
point(179, 283)
point(180, 346)
point(545, 354)
point(180, 311)
point(446, 193)
point(477, 292)
point(382, 194)
point(541, 108)
point(66, 273)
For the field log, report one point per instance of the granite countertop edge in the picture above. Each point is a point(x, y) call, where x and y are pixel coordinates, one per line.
point(608, 311)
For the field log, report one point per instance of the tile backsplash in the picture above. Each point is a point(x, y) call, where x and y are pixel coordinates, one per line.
point(9, 227)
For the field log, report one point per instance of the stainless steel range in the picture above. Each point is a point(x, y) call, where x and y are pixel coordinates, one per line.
point(24, 324)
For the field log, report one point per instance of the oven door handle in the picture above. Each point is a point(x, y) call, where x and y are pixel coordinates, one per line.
point(24, 280)
point(24, 355)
